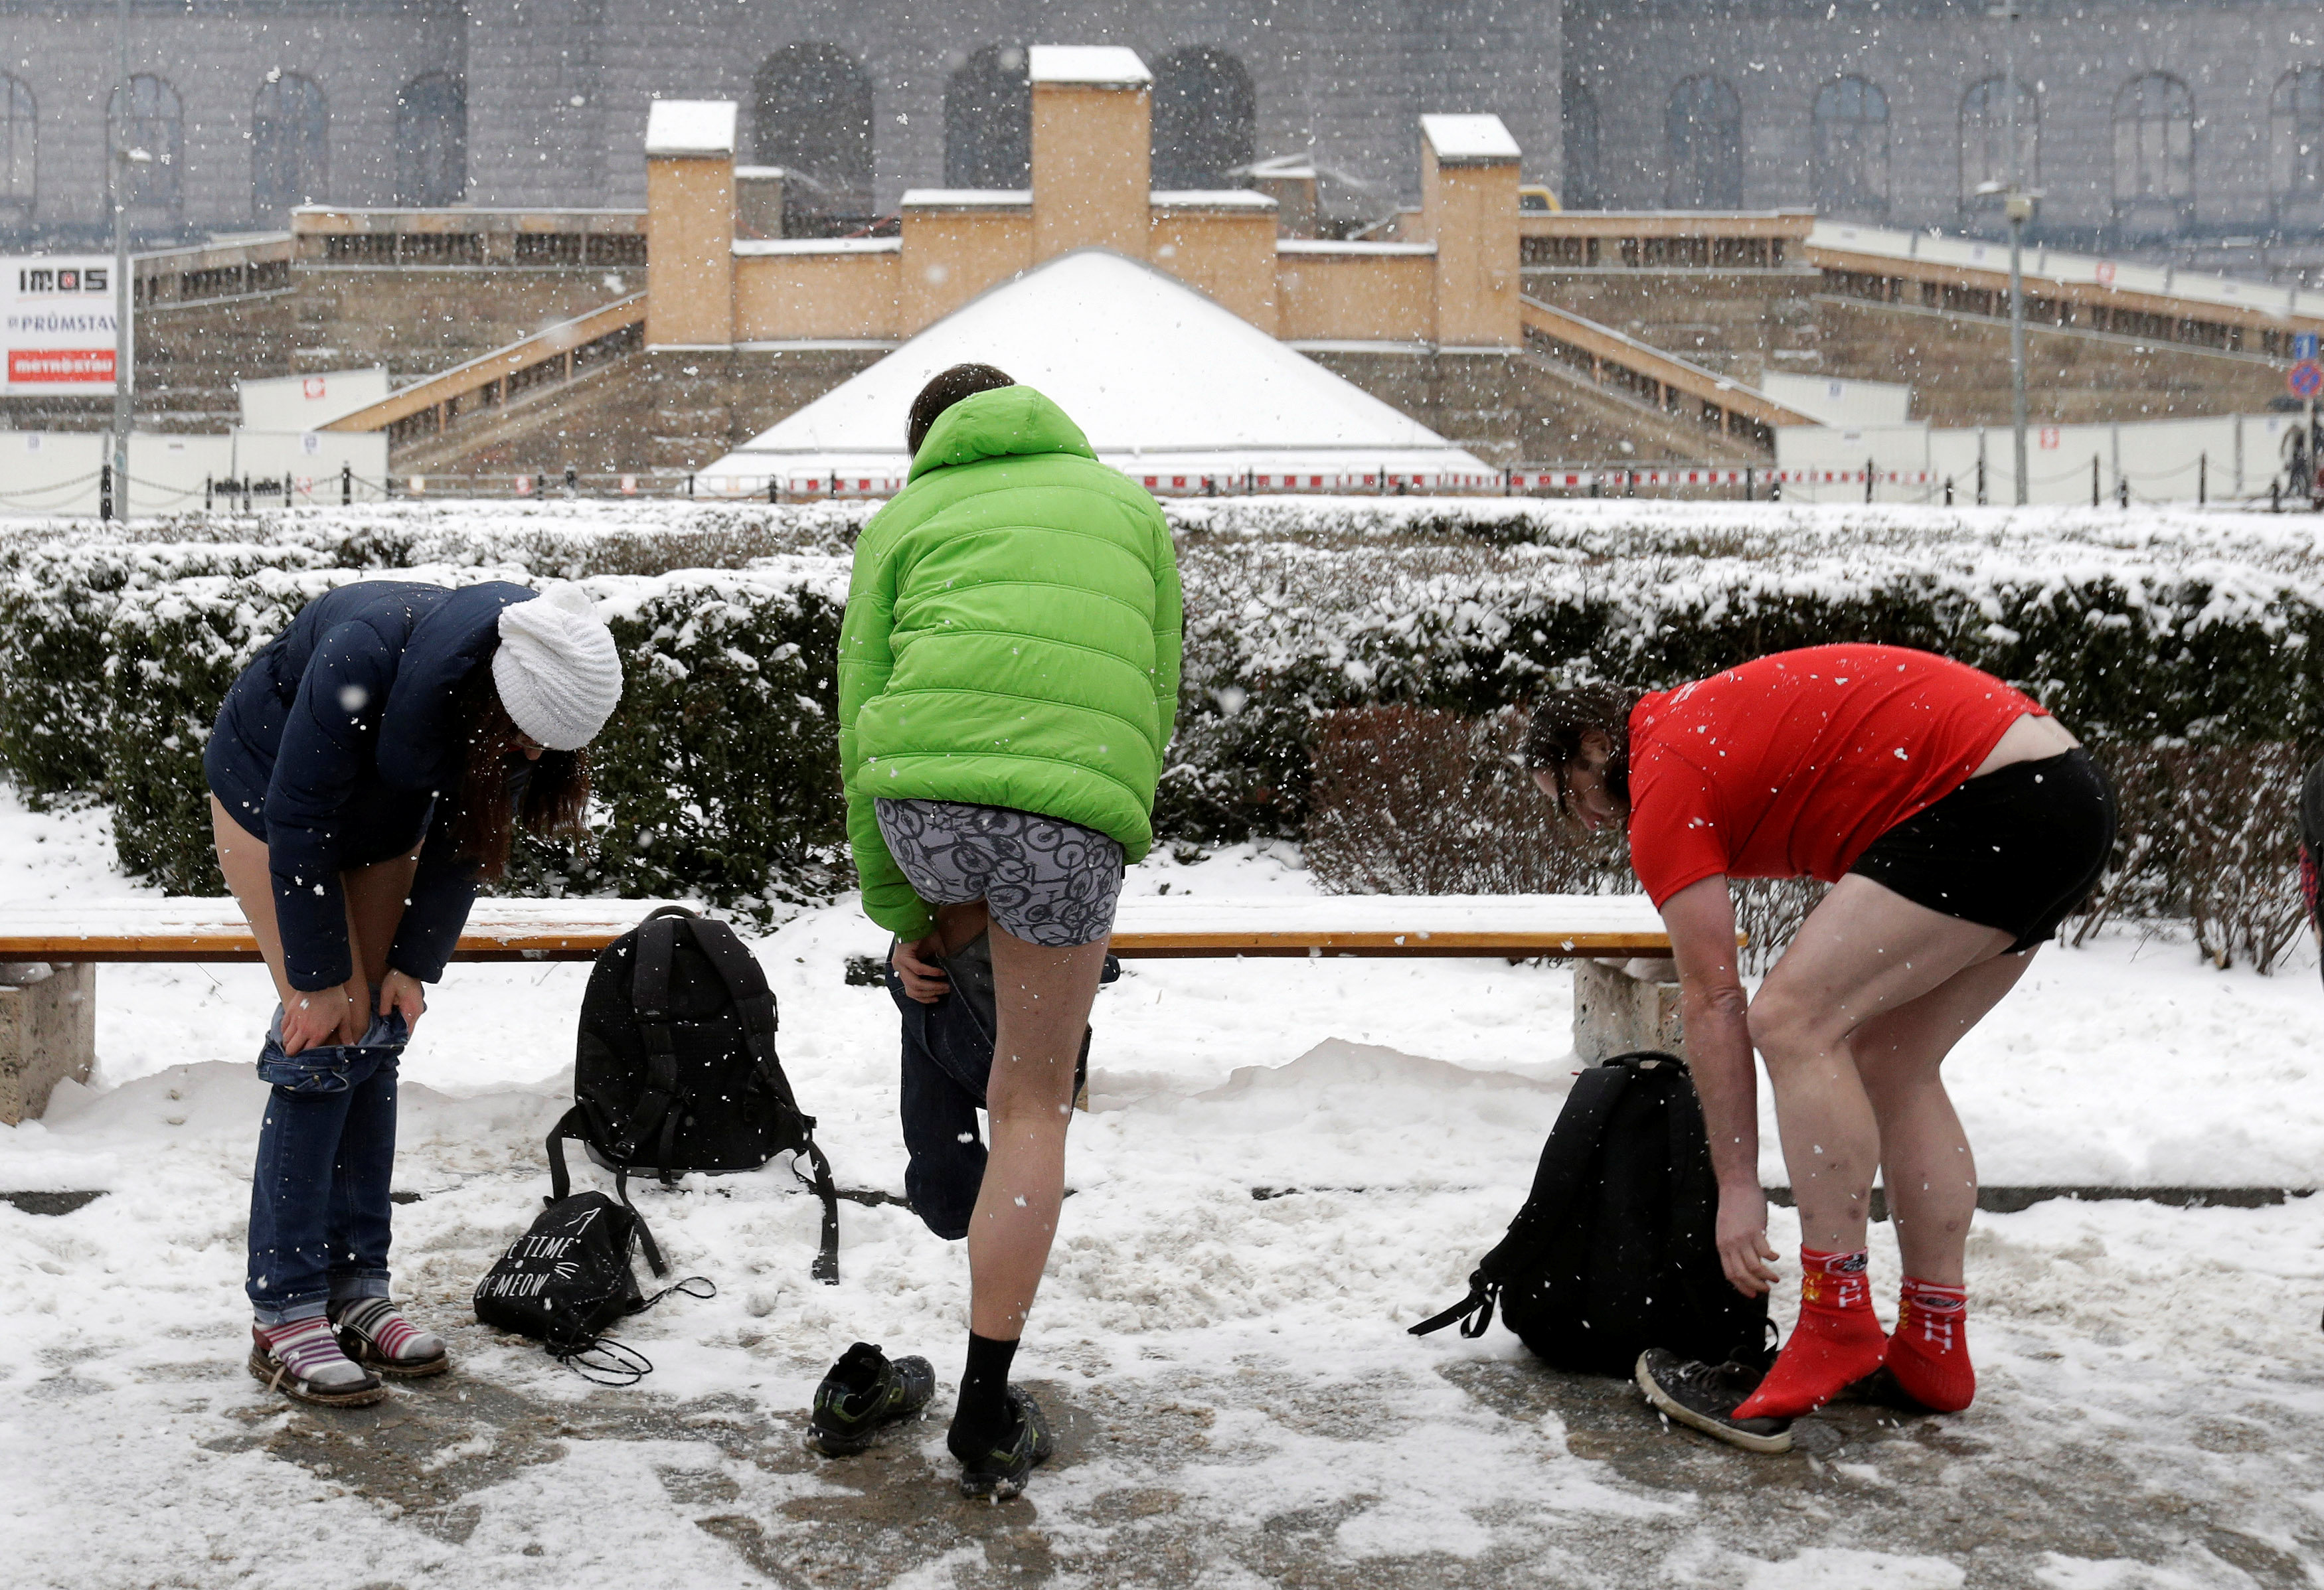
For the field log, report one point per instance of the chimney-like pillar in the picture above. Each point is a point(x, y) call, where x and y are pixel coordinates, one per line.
point(1092, 129)
point(1469, 209)
point(691, 223)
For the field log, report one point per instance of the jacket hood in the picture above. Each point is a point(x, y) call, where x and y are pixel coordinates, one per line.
point(1008, 422)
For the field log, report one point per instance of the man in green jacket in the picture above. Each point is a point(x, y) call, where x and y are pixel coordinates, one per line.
point(1007, 683)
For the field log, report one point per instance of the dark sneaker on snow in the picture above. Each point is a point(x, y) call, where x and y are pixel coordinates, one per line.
point(1704, 1397)
point(998, 1470)
point(864, 1393)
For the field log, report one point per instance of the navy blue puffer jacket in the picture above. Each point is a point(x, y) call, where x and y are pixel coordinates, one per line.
point(333, 748)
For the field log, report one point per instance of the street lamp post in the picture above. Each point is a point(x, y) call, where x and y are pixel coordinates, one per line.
point(2017, 205)
point(123, 353)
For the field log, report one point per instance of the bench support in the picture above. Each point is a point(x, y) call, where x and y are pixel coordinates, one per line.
point(47, 1033)
point(1621, 1005)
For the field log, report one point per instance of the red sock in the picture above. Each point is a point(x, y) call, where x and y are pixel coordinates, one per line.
point(1837, 1342)
point(1929, 1353)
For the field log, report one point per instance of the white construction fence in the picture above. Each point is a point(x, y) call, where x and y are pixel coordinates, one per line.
point(46, 472)
point(2234, 458)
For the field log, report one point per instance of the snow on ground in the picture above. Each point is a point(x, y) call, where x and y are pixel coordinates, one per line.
point(1239, 1357)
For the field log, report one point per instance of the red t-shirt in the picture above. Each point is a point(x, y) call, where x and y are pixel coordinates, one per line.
point(1794, 764)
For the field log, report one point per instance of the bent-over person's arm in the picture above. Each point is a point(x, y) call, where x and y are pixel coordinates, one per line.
point(1700, 919)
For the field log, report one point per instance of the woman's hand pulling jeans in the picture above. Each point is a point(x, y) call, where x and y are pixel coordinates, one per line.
point(400, 991)
point(326, 1016)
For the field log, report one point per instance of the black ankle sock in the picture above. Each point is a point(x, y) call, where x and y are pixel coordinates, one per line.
point(982, 1413)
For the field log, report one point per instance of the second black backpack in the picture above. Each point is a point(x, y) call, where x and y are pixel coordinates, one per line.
point(1614, 1251)
point(675, 1068)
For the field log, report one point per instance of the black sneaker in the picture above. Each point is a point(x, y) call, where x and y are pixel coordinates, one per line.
point(999, 1471)
point(864, 1393)
point(1704, 1397)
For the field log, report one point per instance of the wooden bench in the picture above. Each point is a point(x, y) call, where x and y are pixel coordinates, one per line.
point(49, 955)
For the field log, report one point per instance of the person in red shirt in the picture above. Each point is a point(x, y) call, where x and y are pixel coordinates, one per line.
point(1959, 823)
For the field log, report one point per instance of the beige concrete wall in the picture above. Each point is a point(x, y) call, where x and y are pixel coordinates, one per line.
point(814, 297)
point(950, 256)
point(1356, 297)
point(690, 224)
point(1226, 253)
point(1091, 169)
point(1470, 211)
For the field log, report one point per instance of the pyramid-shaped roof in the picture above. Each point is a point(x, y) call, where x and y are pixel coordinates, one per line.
point(1169, 387)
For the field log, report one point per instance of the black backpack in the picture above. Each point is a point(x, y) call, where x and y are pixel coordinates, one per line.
point(675, 1068)
point(569, 1277)
point(1614, 1251)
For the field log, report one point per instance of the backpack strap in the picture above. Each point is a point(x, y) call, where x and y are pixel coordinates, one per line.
point(746, 987)
point(650, 993)
point(1565, 1163)
point(561, 1180)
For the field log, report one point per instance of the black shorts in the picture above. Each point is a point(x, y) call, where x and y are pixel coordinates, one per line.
point(2018, 848)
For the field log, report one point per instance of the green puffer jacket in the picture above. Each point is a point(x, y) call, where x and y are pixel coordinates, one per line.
point(1011, 638)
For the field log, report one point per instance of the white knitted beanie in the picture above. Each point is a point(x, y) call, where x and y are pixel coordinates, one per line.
point(559, 671)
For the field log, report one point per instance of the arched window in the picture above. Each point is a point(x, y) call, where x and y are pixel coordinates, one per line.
point(1703, 130)
point(812, 116)
point(431, 141)
point(154, 122)
point(289, 145)
point(2154, 143)
point(20, 129)
point(988, 121)
point(2296, 141)
point(1578, 110)
point(1985, 161)
point(1850, 134)
point(1205, 119)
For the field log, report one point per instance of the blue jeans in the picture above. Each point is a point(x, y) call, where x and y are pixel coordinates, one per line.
point(947, 1064)
point(320, 1210)
point(947, 1061)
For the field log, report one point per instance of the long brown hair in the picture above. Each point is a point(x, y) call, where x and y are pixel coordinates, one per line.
point(555, 793)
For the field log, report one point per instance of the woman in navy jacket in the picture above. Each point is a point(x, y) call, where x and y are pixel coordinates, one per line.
point(366, 773)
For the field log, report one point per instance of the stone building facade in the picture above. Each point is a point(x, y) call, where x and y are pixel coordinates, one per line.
point(2141, 119)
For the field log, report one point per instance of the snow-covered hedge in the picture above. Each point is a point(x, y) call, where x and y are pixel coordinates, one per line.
point(717, 777)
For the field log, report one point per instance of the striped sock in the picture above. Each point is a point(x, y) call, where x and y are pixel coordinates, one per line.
point(378, 1322)
point(308, 1351)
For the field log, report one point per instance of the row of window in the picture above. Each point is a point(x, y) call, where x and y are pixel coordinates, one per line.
point(289, 145)
point(812, 104)
point(813, 116)
point(2154, 144)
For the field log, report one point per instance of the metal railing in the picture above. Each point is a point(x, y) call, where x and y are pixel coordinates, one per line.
point(1664, 381)
point(547, 358)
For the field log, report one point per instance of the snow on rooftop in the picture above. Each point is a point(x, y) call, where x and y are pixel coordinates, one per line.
point(1469, 138)
point(1105, 65)
point(690, 126)
point(1210, 198)
point(1154, 373)
point(966, 199)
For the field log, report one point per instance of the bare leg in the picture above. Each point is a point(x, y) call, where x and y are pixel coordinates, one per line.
point(1863, 954)
point(374, 895)
point(1925, 1161)
point(1044, 997)
point(242, 857)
